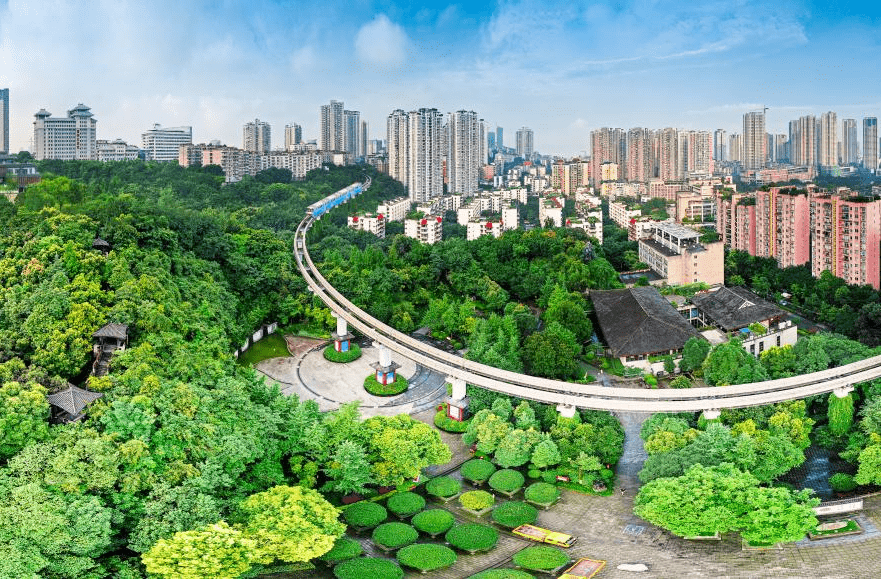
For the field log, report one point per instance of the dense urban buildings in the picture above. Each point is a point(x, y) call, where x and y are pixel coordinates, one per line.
point(827, 132)
point(116, 150)
point(256, 137)
point(163, 143)
point(414, 143)
point(846, 237)
point(4, 121)
point(66, 138)
point(675, 253)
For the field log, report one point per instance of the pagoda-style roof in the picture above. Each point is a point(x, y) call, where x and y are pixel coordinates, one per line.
point(101, 244)
point(73, 399)
point(733, 308)
point(117, 331)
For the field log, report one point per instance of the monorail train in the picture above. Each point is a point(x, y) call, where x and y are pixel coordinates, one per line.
point(317, 209)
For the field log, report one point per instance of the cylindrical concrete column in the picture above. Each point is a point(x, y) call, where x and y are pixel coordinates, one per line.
point(711, 414)
point(566, 410)
point(385, 356)
point(458, 388)
point(342, 326)
point(843, 392)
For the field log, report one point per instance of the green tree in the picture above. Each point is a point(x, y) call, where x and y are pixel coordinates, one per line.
point(694, 353)
point(24, 415)
point(775, 514)
point(730, 363)
point(545, 454)
point(514, 450)
point(869, 463)
point(400, 447)
point(171, 509)
point(779, 362)
point(349, 470)
point(585, 463)
point(217, 550)
point(291, 524)
point(552, 353)
point(840, 413)
point(681, 382)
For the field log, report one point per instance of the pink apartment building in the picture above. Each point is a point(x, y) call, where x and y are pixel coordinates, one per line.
point(783, 226)
point(846, 237)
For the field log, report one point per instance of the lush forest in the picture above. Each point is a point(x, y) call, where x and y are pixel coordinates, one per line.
point(185, 450)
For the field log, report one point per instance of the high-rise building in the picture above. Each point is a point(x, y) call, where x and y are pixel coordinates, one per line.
point(414, 149)
point(607, 145)
point(754, 143)
point(803, 141)
point(491, 140)
point(4, 120)
point(499, 144)
point(827, 125)
point(464, 139)
point(65, 138)
point(783, 226)
point(736, 147)
point(670, 168)
point(524, 137)
point(845, 238)
point(162, 144)
point(781, 153)
point(639, 164)
point(871, 144)
point(720, 145)
point(697, 152)
point(256, 137)
point(352, 141)
point(331, 123)
point(293, 136)
point(849, 142)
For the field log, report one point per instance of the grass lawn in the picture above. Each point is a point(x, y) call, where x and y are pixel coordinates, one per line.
point(851, 527)
point(273, 346)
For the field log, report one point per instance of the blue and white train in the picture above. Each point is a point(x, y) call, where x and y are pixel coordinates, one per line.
point(319, 208)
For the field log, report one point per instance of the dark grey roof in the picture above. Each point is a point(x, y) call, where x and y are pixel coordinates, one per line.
point(118, 331)
point(73, 399)
point(639, 321)
point(735, 307)
point(100, 244)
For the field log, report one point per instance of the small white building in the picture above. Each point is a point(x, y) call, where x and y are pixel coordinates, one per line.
point(479, 227)
point(396, 209)
point(551, 207)
point(427, 229)
point(116, 150)
point(375, 223)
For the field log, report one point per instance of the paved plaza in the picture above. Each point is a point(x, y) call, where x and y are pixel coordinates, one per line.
point(605, 526)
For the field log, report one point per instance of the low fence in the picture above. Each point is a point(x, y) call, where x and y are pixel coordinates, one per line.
point(837, 507)
point(264, 331)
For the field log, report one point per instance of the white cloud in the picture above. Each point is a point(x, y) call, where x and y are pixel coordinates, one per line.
point(381, 42)
point(303, 60)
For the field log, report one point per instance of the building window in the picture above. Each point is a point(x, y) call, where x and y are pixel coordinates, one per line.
point(761, 344)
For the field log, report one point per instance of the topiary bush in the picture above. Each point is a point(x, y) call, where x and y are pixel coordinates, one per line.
point(448, 424)
point(426, 557)
point(368, 568)
point(540, 558)
point(333, 355)
point(842, 482)
point(345, 548)
point(514, 514)
point(405, 504)
point(542, 493)
point(397, 386)
point(477, 470)
point(506, 480)
point(476, 500)
point(472, 537)
point(433, 522)
point(501, 574)
point(443, 487)
point(364, 515)
point(394, 535)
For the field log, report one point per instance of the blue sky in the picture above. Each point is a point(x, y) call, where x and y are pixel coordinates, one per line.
point(561, 68)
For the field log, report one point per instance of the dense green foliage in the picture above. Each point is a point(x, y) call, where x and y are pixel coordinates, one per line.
point(394, 535)
point(477, 470)
point(447, 424)
point(514, 514)
point(443, 486)
point(433, 521)
point(365, 514)
point(426, 557)
point(541, 493)
point(472, 537)
point(368, 568)
point(540, 558)
point(405, 504)
point(506, 480)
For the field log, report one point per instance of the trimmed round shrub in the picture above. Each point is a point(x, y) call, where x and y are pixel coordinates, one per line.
point(345, 548)
point(534, 473)
point(364, 514)
point(397, 386)
point(477, 470)
point(426, 557)
point(405, 504)
point(433, 522)
point(842, 482)
point(506, 480)
point(472, 537)
point(443, 487)
point(514, 514)
point(540, 558)
point(501, 574)
point(332, 355)
point(542, 493)
point(394, 535)
point(476, 500)
point(368, 568)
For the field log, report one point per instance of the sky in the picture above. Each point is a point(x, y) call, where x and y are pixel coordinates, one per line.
point(561, 68)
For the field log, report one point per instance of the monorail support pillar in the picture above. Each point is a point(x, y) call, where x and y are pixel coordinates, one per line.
point(711, 414)
point(843, 392)
point(342, 338)
point(385, 368)
point(567, 410)
point(458, 401)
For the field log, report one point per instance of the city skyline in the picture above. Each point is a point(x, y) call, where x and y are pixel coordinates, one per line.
point(561, 70)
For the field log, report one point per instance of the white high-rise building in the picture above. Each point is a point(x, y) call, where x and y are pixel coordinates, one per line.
point(754, 141)
point(828, 126)
point(162, 144)
point(871, 144)
point(414, 147)
point(66, 138)
point(397, 145)
point(363, 150)
point(736, 145)
point(331, 122)
point(720, 145)
point(293, 136)
point(352, 133)
point(464, 140)
point(803, 141)
point(256, 137)
point(849, 142)
point(524, 137)
point(4, 120)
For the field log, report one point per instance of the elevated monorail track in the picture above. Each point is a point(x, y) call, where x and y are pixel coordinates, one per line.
point(566, 393)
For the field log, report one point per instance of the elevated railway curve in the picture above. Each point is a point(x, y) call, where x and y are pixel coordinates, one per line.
point(566, 394)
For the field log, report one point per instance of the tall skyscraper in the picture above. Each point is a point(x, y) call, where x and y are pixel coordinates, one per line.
point(871, 144)
point(464, 138)
point(331, 123)
point(803, 141)
point(397, 145)
point(351, 132)
point(4, 120)
point(524, 138)
point(736, 147)
point(491, 140)
point(65, 138)
point(670, 167)
point(849, 142)
point(754, 143)
point(414, 147)
point(499, 137)
point(256, 137)
point(639, 165)
point(827, 156)
point(720, 145)
point(163, 143)
point(293, 136)
point(607, 146)
point(362, 139)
